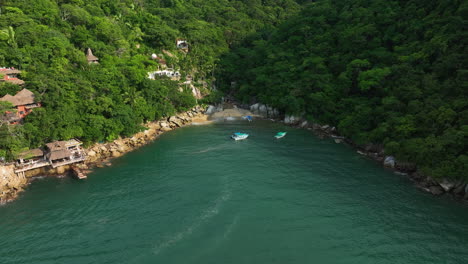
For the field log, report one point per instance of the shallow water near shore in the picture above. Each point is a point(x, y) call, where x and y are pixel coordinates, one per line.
point(195, 196)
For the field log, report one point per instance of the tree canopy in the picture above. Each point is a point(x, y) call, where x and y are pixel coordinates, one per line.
point(382, 72)
point(47, 41)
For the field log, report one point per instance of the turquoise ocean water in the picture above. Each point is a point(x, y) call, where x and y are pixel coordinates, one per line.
point(195, 196)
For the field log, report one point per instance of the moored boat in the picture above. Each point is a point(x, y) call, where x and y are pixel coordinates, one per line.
point(248, 118)
point(239, 136)
point(280, 135)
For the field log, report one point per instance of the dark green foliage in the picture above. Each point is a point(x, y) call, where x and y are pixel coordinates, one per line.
point(47, 39)
point(389, 72)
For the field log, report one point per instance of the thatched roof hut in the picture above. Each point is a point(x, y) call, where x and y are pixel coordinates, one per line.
point(61, 149)
point(10, 75)
point(90, 57)
point(31, 153)
point(24, 97)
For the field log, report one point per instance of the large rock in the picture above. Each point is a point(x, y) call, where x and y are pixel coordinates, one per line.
point(163, 124)
point(447, 185)
point(166, 129)
point(460, 189)
point(91, 153)
point(149, 132)
point(254, 108)
point(291, 120)
point(416, 176)
point(122, 148)
point(211, 110)
point(271, 112)
point(376, 148)
point(406, 166)
point(10, 181)
point(436, 190)
point(177, 121)
point(60, 170)
point(263, 110)
point(389, 162)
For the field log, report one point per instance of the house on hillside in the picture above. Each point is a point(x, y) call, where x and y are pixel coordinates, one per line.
point(10, 75)
point(24, 101)
point(171, 73)
point(90, 57)
point(31, 156)
point(64, 152)
point(56, 154)
point(182, 44)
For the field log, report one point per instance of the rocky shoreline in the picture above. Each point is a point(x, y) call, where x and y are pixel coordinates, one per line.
point(99, 154)
point(458, 189)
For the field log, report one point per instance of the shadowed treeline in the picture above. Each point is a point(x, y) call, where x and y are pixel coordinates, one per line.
point(392, 73)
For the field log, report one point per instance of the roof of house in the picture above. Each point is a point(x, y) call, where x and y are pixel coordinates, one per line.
point(9, 71)
point(13, 81)
point(8, 97)
point(23, 97)
point(59, 154)
point(90, 56)
point(59, 145)
point(56, 145)
point(31, 153)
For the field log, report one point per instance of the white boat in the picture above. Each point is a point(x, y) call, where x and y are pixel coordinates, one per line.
point(239, 136)
point(280, 135)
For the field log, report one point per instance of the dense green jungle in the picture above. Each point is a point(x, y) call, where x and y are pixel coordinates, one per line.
point(388, 73)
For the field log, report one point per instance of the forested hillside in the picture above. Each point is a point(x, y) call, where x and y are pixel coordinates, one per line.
point(384, 72)
point(47, 40)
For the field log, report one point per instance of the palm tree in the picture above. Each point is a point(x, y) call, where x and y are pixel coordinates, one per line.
point(8, 35)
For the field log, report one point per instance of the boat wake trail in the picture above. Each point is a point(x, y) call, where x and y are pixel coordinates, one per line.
point(206, 214)
point(208, 149)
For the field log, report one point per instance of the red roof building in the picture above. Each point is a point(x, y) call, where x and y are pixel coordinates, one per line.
point(10, 75)
point(24, 101)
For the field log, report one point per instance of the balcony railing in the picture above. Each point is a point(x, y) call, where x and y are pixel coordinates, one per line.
point(31, 166)
point(74, 159)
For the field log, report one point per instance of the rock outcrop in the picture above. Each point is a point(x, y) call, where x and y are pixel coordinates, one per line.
point(264, 111)
point(10, 183)
point(99, 154)
point(389, 161)
point(214, 109)
point(292, 120)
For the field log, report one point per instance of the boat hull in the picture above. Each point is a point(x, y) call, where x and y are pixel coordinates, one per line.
point(280, 135)
point(239, 137)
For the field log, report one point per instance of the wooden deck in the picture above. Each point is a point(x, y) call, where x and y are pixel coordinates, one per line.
point(79, 173)
point(43, 163)
point(66, 162)
point(33, 166)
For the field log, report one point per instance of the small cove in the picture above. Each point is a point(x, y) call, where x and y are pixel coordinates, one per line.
point(195, 196)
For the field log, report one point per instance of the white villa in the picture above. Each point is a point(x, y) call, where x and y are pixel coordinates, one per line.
point(171, 73)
